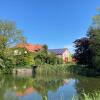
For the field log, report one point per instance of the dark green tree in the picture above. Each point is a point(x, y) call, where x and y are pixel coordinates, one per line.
point(52, 59)
point(41, 56)
point(82, 51)
point(88, 49)
point(94, 38)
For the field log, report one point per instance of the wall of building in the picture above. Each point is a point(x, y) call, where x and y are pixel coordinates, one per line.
point(22, 71)
point(67, 56)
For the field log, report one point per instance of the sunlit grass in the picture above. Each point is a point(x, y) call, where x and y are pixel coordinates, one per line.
point(53, 69)
point(84, 96)
point(93, 96)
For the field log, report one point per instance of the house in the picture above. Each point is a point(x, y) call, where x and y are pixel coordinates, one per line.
point(29, 47)
point(62, 53)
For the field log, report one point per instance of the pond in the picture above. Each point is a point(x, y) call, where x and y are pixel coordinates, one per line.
point(41, 87)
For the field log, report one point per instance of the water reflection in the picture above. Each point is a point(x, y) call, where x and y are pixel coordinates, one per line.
point(60, 87)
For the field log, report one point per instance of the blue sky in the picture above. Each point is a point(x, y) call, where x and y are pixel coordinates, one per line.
point(56, 23)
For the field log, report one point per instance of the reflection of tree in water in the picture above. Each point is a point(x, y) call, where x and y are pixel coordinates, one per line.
point(10, 95)
point(27, 85)
point(17, 84)
point(6, 83)
point(87, 85)
point(40, 84)
point(43, 86)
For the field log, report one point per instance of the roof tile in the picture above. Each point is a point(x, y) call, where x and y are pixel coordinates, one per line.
point(30, 47)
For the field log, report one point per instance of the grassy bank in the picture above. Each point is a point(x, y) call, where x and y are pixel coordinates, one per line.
point(66, 68)
point(53, 69)
point(82, 70)
point(95, 96)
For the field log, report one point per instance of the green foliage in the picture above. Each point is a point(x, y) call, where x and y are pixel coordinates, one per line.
point(24, 59)
point(94, 38)
point(84, 96)
point(9, 37)
point(1, 64)
point(43, 57)
point(53, 69)
point(8, 66)
point(9, 34)
point(38, 61)
point(52, 59)
point(88, 49)
point(59, 60)
point(83, 70)
point(82, 51)
point(96, 20)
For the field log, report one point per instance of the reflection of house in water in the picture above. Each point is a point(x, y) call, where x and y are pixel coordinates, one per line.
point(27, 91)
point(28, 94)
point(66, 81)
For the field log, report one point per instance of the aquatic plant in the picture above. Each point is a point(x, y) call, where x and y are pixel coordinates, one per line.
point(84, 96)
point(53, 69)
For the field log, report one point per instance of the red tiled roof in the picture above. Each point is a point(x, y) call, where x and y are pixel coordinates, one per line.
point(30, 47)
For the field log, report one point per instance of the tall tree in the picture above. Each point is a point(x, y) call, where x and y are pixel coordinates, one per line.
point(9, 37)
point(96, 19)
point(9, 34)
point(82, 52)
point(88, 49)
point(94, 37)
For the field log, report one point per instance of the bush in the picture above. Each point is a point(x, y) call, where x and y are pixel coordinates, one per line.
point(8, 65)
point(52, 69)
point(24, 59)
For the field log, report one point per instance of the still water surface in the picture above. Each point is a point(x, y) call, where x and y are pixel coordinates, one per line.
point(41, 87)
